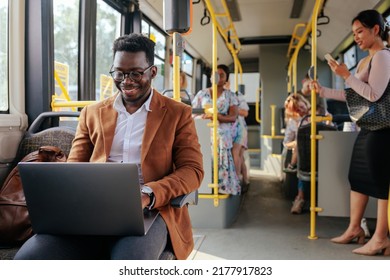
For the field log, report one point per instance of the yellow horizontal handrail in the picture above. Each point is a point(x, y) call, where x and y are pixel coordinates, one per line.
point(230, 27)
point(295, 38)
point(224, 32)
point(272, 137)
point(213, 196)
point(69, 104)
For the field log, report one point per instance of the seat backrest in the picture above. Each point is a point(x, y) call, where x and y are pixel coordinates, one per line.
point(286, 157)
point(304, 147)
point(44, 131)
point(59, 137)
point(184, 95)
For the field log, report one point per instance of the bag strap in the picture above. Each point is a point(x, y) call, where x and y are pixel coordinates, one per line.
point(46, 149)
point(45, 153)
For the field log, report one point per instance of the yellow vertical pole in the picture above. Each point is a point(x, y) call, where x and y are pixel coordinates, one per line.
point(273, 107)
point(215, 115)
point(215, 110)
point(296, 46)
point(313, 143)
point(235, 74)
point(177, 45)
point(295, 63)
point(257, 105)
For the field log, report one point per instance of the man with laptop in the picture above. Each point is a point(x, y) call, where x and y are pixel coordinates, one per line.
point(140, 126)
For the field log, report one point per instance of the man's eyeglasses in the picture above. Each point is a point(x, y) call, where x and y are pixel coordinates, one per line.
point(135, 76)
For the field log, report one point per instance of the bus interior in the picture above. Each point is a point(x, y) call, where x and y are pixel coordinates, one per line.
point(56, 57)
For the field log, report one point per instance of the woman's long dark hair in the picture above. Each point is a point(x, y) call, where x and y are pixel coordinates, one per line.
point(370, 18)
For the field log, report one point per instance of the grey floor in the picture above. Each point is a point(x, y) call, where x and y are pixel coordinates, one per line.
point(265, 229)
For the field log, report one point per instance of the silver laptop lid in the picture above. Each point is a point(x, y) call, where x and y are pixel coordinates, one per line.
point(84, 198)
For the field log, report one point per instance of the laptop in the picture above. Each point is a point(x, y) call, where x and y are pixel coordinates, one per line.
point(85, 198)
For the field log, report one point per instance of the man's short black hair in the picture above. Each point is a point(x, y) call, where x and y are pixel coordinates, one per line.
point(135, 43)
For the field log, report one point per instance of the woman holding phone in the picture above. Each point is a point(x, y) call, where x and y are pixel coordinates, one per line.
point(369, 174)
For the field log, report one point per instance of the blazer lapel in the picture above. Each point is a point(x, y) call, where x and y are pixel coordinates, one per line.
point(108, 124)
point(153, 122)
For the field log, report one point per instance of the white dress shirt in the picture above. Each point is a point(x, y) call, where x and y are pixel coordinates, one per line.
point(129, 131)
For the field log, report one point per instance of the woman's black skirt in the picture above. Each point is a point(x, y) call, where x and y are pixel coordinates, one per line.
point(369, 171)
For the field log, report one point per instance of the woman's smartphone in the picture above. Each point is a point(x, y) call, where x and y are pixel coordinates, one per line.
point(329, 58)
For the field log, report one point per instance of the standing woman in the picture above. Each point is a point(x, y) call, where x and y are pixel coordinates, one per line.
point(369, 173)
point(240, 141)
point(227, 105)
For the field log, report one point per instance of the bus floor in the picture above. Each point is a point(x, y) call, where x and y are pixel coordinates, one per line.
point(265, 230)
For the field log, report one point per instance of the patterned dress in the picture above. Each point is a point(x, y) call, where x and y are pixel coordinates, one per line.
point(240, 132)
point(228, 181)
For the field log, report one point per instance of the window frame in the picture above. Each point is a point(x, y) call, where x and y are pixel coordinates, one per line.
point(163, 73)
point(6, 61)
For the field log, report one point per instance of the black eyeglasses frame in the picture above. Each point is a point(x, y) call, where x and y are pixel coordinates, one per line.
point(139, 74)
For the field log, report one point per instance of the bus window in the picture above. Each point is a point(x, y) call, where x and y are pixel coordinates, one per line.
point(159, 57)
point(350, 57)
point(108, 26)
point(160, 42)
point(187, 67)
point(66, 29)
point(187, 63)
point(144, 27)
point(3, 56)
point(158, 81)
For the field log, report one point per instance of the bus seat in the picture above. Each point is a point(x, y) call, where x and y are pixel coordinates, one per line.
point(8, 253)
point(304, 150)
point(286, 159)
point(185, 200)
point(184, 95)
point(289, 179)
point(340, 119)
point(46, 130)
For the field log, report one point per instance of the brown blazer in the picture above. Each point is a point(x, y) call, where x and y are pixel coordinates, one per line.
point(171, 160)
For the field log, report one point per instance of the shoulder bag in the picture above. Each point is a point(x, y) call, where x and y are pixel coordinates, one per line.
point(15, 225)
point(369, 115)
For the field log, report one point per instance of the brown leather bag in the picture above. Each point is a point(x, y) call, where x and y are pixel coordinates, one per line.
point(15, 225)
